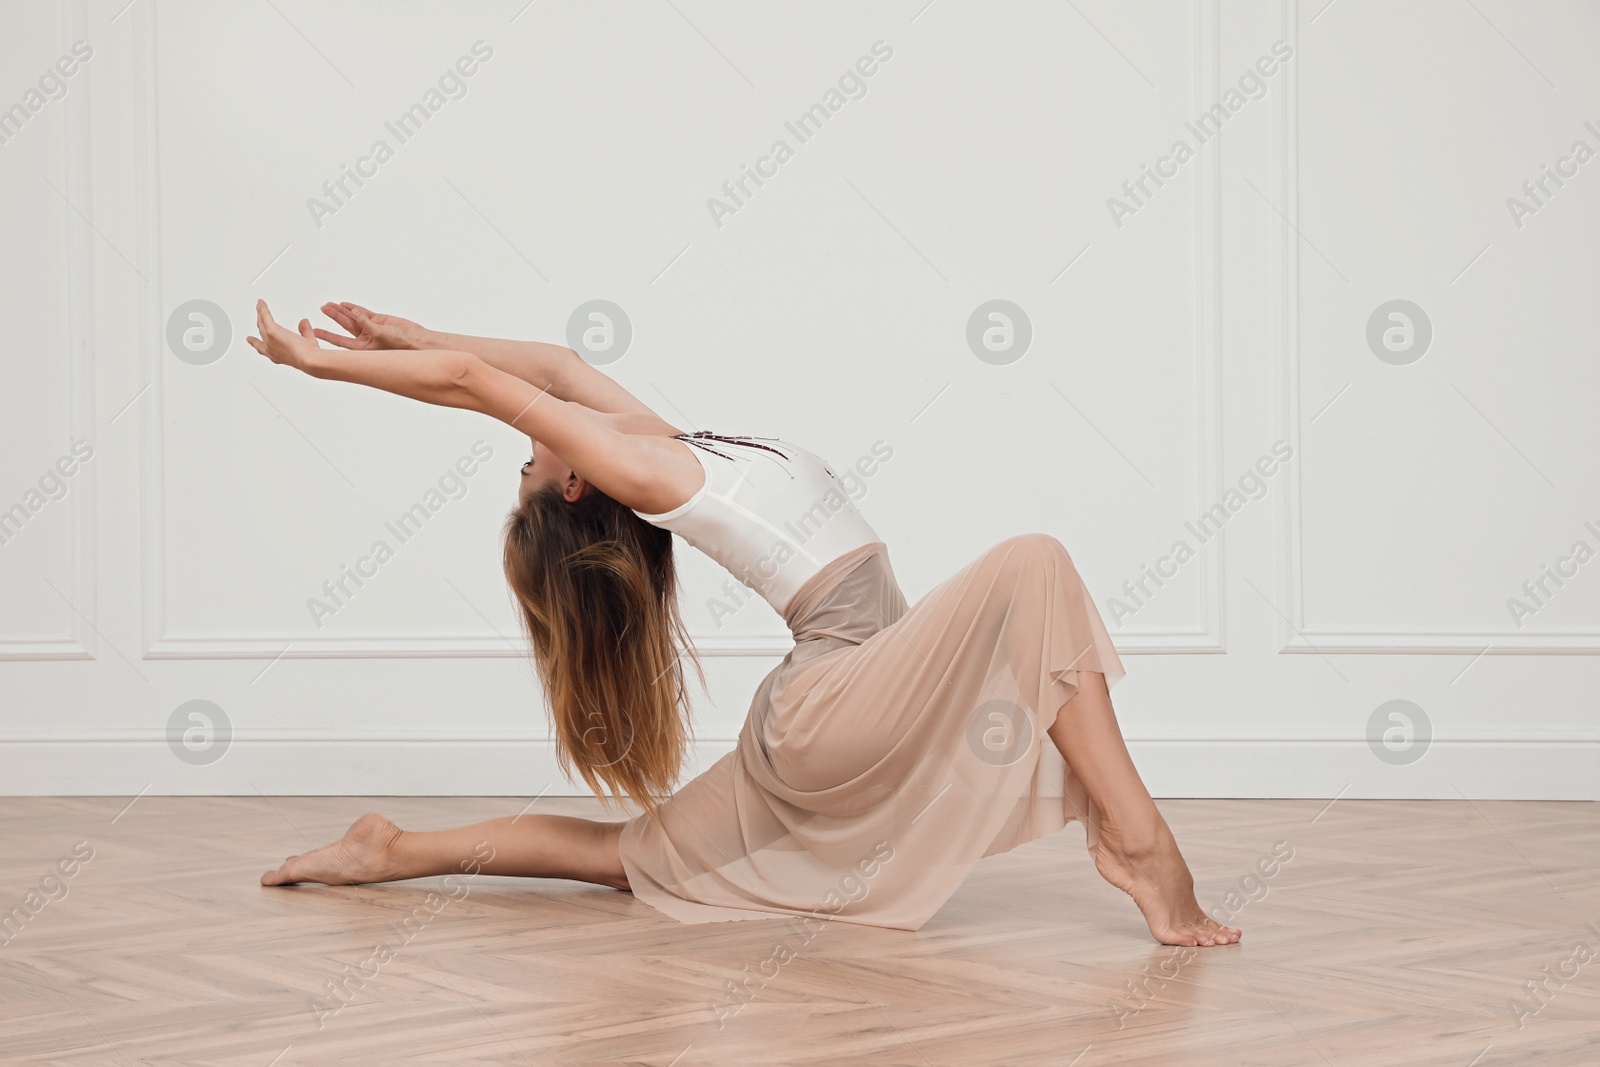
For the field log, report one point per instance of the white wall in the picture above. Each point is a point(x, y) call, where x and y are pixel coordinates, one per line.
point(1175, 343)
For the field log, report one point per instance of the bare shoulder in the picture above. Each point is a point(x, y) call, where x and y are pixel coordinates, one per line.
point(670, 472)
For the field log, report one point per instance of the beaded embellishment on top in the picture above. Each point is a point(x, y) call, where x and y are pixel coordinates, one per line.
point(700, 437)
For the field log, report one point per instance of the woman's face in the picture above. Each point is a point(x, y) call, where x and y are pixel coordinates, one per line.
point(543, 468)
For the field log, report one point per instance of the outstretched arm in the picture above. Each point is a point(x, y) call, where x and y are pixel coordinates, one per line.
point(627, 467)
point(545, 366)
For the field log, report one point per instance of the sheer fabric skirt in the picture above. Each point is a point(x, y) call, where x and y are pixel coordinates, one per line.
point(890, 750)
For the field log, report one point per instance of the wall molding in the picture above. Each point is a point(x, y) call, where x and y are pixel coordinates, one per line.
point(80, 640)
point(1208, 215)
point(1210, 637)
point(160, 644)
point(1423, 643)
point(1295, 635)
point(147, 184)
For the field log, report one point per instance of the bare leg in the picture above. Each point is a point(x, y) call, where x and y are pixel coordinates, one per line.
point(534, 846)
point(1136, 851)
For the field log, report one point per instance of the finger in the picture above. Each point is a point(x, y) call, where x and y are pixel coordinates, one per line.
point(307, 331)
point(339, 315)
point(335, 339)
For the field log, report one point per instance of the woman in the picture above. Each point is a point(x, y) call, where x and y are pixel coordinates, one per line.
point(890, 750)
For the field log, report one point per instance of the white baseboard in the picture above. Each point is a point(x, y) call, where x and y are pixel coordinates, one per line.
point(520, 767)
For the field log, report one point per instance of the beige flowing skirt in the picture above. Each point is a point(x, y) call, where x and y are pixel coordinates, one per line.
point(890, 750)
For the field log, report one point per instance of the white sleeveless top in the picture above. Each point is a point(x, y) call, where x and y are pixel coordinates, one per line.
point(770, 512)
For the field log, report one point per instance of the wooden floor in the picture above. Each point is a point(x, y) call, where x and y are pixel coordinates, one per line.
point(1398, 933)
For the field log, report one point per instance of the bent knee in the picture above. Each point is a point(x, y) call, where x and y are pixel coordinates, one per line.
point(1030, 549)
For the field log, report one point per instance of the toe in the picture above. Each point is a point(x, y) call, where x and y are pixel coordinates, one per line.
point(289, 873)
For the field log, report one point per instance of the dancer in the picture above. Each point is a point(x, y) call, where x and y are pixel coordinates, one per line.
point(892, 748)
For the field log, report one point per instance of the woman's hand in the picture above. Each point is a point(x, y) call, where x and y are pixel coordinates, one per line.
point(282, 345)
point(369, 331)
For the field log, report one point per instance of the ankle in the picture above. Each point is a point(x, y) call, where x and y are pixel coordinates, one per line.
point(1137, 833)
point(399, 853)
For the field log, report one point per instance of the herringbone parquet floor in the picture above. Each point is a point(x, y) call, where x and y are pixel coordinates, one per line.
point(1396, 933)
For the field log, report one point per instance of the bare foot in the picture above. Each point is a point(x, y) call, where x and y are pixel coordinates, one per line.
point(1150, 869)
point(363, 854)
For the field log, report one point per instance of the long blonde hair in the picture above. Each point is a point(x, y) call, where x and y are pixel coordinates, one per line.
point(598, 593)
